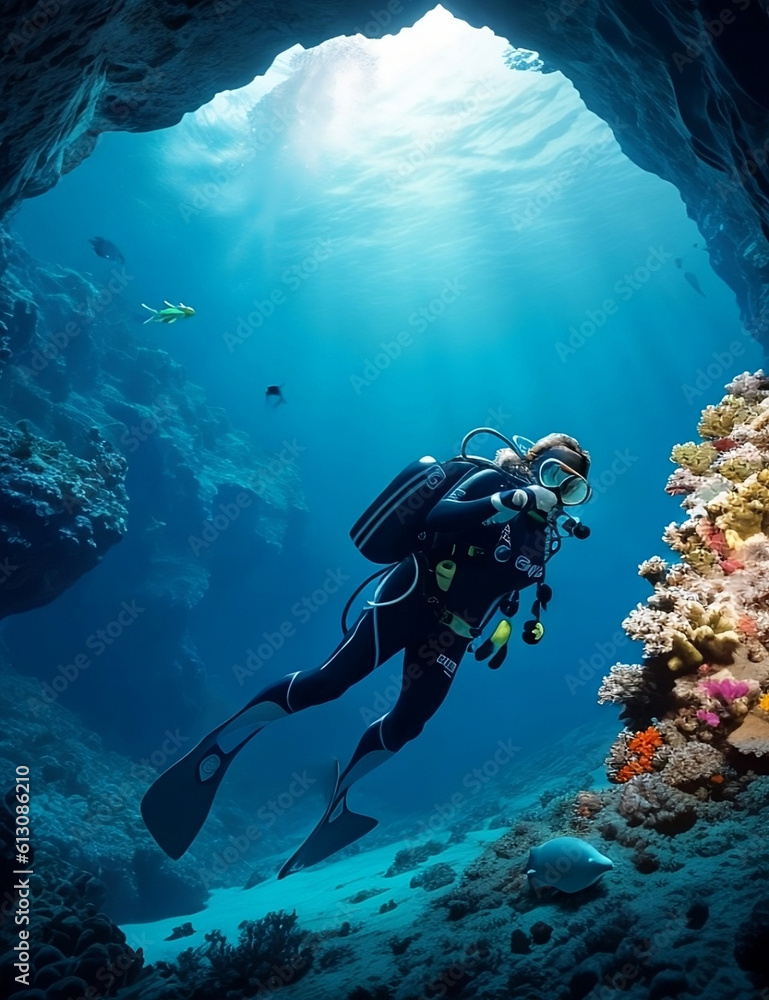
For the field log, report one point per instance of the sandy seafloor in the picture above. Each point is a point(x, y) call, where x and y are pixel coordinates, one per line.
point(659, 933)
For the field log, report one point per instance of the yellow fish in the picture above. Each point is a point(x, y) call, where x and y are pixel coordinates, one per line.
point(170, 314)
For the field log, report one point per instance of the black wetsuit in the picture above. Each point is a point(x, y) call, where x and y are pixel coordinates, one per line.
point(411, 612)
point(491, 561)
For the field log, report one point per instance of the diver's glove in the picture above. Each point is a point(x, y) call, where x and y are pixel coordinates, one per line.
point(525, 499)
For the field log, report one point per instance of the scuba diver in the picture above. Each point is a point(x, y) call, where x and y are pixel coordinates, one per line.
point(461, 539)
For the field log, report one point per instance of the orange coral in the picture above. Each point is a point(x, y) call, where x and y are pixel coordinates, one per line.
point(643, 746)
point(747, 625)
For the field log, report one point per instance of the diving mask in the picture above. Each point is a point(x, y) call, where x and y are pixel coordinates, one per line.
point(554, 472)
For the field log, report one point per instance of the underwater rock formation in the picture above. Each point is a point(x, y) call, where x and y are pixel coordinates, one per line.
point(702, 691)
point(689, 98)
point(116, 438)
point(59, 514)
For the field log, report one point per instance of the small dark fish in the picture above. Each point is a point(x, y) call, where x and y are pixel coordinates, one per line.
point(678, 262)
point(692, 279)
point(274, 392)
point(107, 249)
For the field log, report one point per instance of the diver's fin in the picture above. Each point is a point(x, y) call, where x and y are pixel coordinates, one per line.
point(339, 827)
point(176, 804)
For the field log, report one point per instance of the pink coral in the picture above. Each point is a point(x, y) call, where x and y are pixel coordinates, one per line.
point(731, 565)
point(726, 688)
point(713, 537)
point(724, 444)
point(710, 717)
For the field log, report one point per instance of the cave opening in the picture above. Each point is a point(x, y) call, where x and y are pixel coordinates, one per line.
point(414, 234)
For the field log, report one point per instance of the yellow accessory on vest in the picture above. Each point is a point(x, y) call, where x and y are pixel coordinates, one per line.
point(495, 647)
point(444, 574)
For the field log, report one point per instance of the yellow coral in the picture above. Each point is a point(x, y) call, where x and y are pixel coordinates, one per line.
point(685, 656)
point(696, 457)
point(763, 703)
point(699, 558)
point(745, 511)
point(719, 421)
point(738, 469)
point(710, 638)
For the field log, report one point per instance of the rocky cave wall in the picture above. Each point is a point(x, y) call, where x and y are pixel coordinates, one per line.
point(683, 83)
point(112, 440)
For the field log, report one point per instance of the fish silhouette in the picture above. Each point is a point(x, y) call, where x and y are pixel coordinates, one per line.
point(107, 249)
point(692, 279)
point(274, 392)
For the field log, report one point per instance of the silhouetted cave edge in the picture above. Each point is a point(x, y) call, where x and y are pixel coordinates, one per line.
point(683, 86)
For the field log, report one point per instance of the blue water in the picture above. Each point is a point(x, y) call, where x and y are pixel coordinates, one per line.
point(326, 205)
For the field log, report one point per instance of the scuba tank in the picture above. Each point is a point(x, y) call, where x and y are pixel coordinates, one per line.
point(393, 525)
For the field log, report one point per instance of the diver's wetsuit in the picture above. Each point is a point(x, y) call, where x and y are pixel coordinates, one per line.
point(491, 561)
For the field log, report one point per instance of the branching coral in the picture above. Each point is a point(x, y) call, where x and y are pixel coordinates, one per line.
point(647, 801)
point(633, 754)
point(744, 512)
point(218, 968)
point(692, 764)
point(707, 620)
point(654, 570)
point(625, 682)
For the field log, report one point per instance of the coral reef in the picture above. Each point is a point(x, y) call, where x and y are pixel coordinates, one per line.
point(76, 946)
point(433, 877)
point(271, 953)
point(60, 514)
point(702, 690)
point(411, 857)
point(115, 436)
